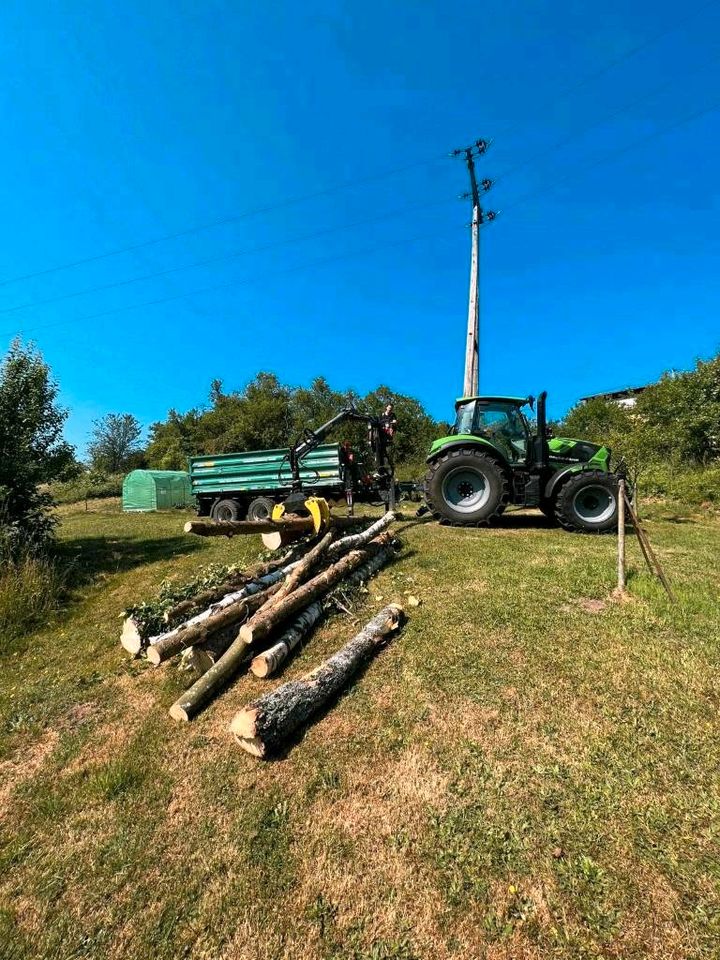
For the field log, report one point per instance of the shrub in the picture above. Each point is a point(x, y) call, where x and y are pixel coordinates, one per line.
point(31, 586)
point(89, 486)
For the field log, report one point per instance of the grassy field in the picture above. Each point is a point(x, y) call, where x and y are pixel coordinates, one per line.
point(529, 770)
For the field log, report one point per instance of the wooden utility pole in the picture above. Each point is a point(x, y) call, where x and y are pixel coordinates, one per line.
point(471, 379)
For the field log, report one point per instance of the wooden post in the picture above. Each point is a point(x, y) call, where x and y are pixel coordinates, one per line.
point(651, 559)
point(621, 537)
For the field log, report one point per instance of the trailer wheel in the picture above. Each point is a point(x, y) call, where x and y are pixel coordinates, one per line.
point(260, 508)
point(226, 510)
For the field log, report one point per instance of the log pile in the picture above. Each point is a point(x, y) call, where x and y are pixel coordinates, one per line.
point(257, 618)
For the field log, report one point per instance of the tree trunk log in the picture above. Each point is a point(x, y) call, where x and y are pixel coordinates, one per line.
point(301, 570)
point(355, 540)
point(260, 625)
point(234, 528)
point(190, 703)
point(264, 726)
point(229, 610)
point(202, 656)
point(269, 662)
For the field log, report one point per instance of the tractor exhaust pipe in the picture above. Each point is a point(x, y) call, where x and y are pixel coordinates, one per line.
point(542, 451)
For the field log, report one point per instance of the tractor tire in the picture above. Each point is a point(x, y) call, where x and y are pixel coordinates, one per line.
point(226, 510)
point(588, 502)
point(466, 488)
point(260, 508)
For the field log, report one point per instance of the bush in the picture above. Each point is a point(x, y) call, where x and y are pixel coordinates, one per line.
point(87, 487)
point(689, 485)
point(31, 586)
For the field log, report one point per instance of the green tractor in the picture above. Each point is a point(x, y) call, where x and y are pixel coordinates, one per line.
point(493, 458)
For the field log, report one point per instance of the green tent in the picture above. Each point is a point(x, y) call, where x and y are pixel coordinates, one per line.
point(156, 490)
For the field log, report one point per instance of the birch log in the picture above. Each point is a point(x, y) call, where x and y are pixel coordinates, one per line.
point(196, 629)
point(264, 726)
point(355, 540)
point(260, 625)
point(234, 528)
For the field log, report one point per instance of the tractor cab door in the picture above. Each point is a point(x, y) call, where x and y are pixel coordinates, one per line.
point(505, 427)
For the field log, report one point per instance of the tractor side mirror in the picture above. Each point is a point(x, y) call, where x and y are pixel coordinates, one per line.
point(549, 433)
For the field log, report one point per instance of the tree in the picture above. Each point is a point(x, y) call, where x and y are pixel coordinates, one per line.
point(32, 448)
point(115, 442)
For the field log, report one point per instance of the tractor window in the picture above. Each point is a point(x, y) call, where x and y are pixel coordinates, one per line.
point(504, 425)
point(464, 419)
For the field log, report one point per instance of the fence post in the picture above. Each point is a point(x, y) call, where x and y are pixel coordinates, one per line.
point(621, 537)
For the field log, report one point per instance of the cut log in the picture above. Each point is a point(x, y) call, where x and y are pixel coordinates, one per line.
point(190, 703)
point(263, 727)
point(270, 661)
point(355, 540)
point(235, 528)
point(300, 572)
point(131, 636)
point(202, 656)
point(188, 634)
point(260, 625)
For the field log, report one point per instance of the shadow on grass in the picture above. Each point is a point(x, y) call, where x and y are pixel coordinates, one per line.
point(86, 557)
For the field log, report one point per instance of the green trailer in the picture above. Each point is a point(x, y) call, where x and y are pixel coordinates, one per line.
point(233, 486)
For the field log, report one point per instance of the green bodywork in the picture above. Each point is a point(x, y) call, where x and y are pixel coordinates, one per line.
point(560, 450)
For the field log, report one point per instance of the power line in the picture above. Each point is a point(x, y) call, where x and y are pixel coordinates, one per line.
point(347, 184)
point(345, 256)
point(268, 208)
point(226, 257)
point(358, 223)
point(616, 61)
point(333, 259)
point(596, 123)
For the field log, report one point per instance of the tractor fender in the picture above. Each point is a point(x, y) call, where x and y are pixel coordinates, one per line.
point(557, 479)
point(465, 441)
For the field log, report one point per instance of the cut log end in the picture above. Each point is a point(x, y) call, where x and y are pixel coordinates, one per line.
point(130, 637)
point(153, 656)
point(178, 712)
point(252, 745)
point(260, 667)
point(244, 724)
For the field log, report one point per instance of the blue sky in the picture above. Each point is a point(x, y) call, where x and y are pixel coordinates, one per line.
point(123, 123)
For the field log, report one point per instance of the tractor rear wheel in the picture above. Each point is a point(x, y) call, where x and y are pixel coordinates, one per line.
point(465, 488)
point(588, 502)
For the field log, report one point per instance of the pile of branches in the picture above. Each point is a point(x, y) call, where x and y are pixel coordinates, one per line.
point(230, 619)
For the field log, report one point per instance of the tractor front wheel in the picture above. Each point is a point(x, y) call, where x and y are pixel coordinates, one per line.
point(465, 488)
point(588, 502)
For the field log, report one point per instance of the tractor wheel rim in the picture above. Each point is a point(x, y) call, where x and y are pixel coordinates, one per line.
point(594, 504)
point(466, 490)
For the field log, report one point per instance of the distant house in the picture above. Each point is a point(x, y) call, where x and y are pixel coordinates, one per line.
point(623, 398)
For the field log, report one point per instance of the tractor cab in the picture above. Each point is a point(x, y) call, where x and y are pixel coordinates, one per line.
point(499, 420)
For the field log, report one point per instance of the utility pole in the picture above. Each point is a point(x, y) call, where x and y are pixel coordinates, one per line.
point(471, 379)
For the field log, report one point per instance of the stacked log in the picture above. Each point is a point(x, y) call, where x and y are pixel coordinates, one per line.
point(219, 630)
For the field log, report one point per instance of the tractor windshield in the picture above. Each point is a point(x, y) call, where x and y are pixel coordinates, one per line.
point(498, 421)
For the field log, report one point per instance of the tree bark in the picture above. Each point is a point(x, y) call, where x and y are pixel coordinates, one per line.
point(355, 540)
point(269, 662)
point(190, 703)
point(230, 609)
point(264, 726)
point(202, 656)
point(260, 625)
point(301, 570)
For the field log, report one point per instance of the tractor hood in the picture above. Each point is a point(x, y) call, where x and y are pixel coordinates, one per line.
point(567, 450)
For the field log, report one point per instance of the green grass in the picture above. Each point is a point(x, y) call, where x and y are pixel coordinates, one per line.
point(518, 774)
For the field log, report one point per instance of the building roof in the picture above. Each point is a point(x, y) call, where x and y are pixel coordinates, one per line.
point(616, 394)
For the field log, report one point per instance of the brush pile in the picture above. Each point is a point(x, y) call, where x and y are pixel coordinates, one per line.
point(230, 619)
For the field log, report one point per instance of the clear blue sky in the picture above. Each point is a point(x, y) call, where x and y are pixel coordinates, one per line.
point(124, 122)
